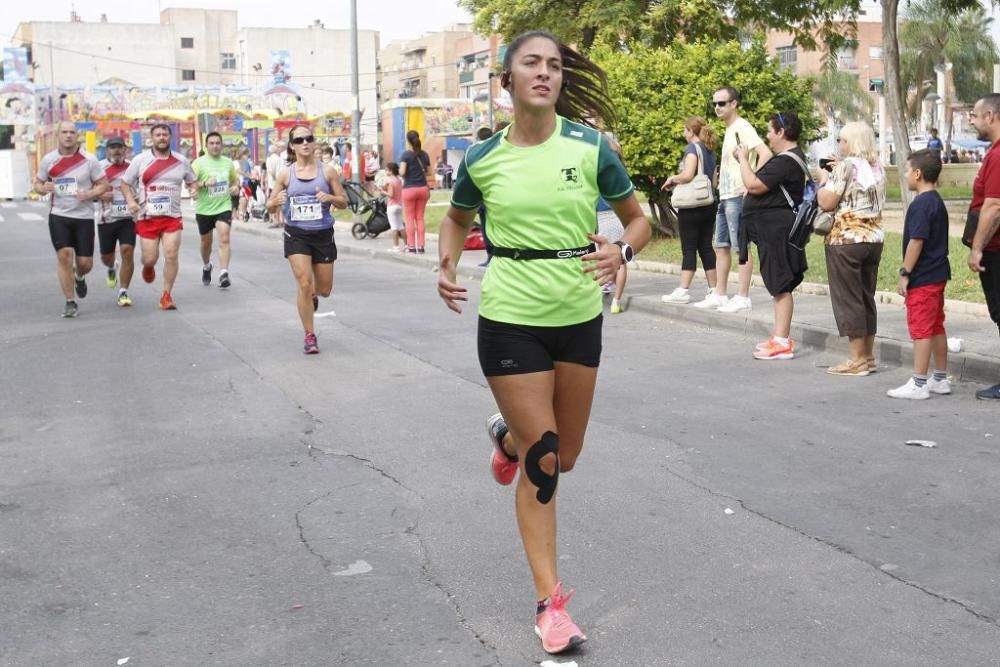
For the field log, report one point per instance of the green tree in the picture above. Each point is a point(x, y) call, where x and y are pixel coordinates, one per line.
point(662, 22)
point(894, 97)
point(656, 90)
point(841, 98)
point(931, 36)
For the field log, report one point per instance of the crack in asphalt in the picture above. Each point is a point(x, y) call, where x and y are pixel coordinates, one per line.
point(840, 548)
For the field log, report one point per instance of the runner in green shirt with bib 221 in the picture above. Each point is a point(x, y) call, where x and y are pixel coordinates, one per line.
point(540, 311)
point(217, 183)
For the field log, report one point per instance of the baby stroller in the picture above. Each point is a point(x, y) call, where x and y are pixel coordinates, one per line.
point(372, 208)
point(256, 204)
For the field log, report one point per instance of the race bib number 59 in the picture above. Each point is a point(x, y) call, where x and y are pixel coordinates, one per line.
point(158, 205)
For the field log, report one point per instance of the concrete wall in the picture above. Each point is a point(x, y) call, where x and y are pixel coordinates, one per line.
point(320, 68)
point(214, 32)
point(149, 43)
point(957, 175)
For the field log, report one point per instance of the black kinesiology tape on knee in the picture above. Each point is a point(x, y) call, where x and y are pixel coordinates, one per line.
point(546, 483)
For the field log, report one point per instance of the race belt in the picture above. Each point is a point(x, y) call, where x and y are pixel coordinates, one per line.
point(531, 253)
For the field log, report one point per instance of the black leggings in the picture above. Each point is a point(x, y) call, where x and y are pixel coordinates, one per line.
point(697, 229)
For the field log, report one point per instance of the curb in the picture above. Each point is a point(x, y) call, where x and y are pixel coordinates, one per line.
point(889, 351)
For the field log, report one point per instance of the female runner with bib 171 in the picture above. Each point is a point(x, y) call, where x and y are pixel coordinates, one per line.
point(304, 190)
point(540, 312)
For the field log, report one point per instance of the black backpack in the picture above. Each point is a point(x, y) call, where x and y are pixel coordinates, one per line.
point(806, 211)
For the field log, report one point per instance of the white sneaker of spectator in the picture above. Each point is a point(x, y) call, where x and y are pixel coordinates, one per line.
point(736, 304)
point(711, 300)
point(910, 390)
point(679, 295)
point(938, 387)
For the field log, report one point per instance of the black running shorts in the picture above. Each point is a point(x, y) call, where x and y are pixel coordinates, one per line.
point(120, 232)
point(318, 244)
point(510, 349)
point(75, 233)
point(206, 223)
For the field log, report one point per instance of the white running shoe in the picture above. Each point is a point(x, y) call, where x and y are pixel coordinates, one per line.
point(679, 295)
point(736, 304)
point(713, 300)
point(942, 387)
point(910, 390)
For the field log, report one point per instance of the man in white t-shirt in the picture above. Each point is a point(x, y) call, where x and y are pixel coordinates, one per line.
point(72, 179)
point(275, 162)
point(152, 187)
point(739, 132)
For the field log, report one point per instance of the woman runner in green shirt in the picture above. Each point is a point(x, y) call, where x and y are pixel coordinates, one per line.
point(540, 311)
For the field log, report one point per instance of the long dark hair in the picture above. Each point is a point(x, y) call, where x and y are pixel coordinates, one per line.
point(413, 138)
point(288, 147)
point(584, 97)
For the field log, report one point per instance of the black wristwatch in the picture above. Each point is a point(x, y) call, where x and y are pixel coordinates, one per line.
point(627, 252)
point(903, 273)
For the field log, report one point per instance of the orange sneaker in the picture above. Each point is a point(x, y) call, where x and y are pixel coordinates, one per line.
point(167, 302)
point(554, 626)
point(774, 350)
point(149, 273)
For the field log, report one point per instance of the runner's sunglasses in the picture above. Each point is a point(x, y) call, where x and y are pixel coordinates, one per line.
point(303, 140)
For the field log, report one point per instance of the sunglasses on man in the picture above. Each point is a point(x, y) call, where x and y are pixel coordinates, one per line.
point(721, 103)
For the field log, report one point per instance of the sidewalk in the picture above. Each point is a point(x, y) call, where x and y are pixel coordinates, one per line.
point(812, 325)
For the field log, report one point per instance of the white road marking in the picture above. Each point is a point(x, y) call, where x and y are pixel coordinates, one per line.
point(357, 567)
point(31, 216)
point(328, 313)
point(1, 218)
point(8, 204)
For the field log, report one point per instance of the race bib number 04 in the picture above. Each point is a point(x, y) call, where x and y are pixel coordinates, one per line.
point(118, 209)
point(306, 207)
point(65, 186)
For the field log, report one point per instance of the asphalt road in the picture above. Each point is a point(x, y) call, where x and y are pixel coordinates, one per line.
point(187, 488)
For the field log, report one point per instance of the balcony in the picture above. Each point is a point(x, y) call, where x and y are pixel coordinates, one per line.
point(466, 77)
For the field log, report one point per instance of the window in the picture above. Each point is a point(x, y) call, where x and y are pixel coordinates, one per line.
point(788, 58)
point(228, 61)
point(846, 58)
point(875, 52)
point(187, 42)
point(187, 75)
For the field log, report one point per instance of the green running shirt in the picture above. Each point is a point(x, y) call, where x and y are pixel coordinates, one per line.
point(213, 200)
point(541, 197)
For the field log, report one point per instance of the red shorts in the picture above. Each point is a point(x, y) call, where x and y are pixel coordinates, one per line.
point(154, 228)
point(925, 311)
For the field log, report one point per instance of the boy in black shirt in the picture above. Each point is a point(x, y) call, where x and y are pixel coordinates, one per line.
point(923, 277)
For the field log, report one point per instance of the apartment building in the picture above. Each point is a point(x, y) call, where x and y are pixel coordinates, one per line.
point(427, 66)
point(200, 47)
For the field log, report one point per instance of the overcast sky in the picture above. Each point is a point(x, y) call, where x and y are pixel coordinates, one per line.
point(394, 19)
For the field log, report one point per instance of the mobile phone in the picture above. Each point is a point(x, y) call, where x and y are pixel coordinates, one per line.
point(738, 142)
point(824, 164)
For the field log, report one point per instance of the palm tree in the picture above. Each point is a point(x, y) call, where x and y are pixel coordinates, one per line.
point(840, 97)
point(932, 35)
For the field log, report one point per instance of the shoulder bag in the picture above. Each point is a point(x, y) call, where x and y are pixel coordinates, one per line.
point(697, 192)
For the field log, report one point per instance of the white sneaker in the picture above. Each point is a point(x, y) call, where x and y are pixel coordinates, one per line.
point(736, 304)
point(910, 390)
point(713, 300)
point(679, 295)
point(942, 387)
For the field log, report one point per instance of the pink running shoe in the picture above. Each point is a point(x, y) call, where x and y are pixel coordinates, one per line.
point(503, 467)
point(554, 627)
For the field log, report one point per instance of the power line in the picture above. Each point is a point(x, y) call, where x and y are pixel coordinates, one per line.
point(225, 72)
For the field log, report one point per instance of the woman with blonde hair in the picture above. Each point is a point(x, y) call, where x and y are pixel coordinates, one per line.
point(697, 225)
point(855, 191)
